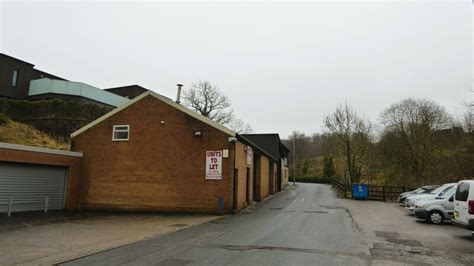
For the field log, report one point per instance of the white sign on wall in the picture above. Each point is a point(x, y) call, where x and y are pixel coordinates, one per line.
point(213, 164)
point(249, 156)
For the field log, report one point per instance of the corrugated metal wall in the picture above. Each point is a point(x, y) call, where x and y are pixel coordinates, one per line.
point(29, 185)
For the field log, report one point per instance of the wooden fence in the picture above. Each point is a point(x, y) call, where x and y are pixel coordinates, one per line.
point(376, 192)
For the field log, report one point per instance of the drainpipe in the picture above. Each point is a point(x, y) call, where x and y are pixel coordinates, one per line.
point(234, 196)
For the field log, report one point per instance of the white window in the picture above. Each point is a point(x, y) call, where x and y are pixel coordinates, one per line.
point(14, 77)
point(120, 132)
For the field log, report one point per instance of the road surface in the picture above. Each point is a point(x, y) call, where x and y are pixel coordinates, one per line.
point(303, 225)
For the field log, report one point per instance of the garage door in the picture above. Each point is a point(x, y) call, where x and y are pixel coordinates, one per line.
point(29, 185)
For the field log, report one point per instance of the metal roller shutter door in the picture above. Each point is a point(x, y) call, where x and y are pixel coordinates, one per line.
point(29, 185)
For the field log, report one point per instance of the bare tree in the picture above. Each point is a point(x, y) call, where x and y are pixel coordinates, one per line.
point(239, 126)
point(468, 117)
point(206, 99)
point(468, 121)
point(417, 124)
point(353, 135)
point(299, 151)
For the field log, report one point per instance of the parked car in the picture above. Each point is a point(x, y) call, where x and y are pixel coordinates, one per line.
point(438, 209)
point(422, 190)
point(464, 205)
point(438, 192)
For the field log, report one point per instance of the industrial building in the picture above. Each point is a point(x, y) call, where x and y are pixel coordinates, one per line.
point(155, 154)
point(148, 154)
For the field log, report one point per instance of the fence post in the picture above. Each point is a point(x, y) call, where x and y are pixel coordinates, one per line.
point(383, 193)
point(10, 203)
point(345, 189)
point(46, 201)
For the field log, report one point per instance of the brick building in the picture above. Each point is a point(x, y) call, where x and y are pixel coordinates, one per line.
point(155, 154)
point(271, 142)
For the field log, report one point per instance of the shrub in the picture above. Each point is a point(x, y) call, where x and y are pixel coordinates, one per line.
point(328, 169)
point(3, 119)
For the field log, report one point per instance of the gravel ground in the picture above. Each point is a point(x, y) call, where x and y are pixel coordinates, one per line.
point(37, 238)
point(395, 236)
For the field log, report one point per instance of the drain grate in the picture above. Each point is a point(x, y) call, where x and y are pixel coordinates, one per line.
point(275, 209)
point(405, 242)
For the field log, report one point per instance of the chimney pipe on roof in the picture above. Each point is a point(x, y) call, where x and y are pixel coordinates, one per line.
point(178, 94)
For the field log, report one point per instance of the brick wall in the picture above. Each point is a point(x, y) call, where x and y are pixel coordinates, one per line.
point(161, 167)
point(264, 178)
point(272, 175)
point(284, 176)
point(241, 166)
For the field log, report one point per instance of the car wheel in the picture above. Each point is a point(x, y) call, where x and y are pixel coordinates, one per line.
point(435, 217)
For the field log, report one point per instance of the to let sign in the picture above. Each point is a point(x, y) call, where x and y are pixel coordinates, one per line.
point(213, 164)
point(249, 156)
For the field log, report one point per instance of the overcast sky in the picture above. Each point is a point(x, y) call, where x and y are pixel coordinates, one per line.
point(283, 65)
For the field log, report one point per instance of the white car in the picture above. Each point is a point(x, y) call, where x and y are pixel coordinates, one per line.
point(464, 205)
point(410, 202)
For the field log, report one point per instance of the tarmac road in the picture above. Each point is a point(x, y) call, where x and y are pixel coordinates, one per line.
point(303, 225)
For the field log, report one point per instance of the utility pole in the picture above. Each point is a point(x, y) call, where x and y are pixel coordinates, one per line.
point(294, 162)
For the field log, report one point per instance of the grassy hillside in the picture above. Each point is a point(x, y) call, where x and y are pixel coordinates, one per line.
point(311, 170)
point(57, 118)
point(310, 167)
point(18, 133)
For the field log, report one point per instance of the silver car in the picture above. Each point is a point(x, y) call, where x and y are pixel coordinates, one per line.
point(438, 209)
point(422, 190)
point(410, 202)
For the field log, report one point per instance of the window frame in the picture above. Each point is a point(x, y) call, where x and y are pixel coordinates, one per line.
point(14, 81)
point(120, 130)
point(464, 194)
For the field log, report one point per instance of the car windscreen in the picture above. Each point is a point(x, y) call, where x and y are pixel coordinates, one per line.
point(419, 191)
point(439, 189)
point(446, 191)
point(462, 192)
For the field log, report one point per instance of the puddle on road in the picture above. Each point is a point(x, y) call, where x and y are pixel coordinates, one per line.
point(221, 221)
point(315, 211)
point(333, 207)
point(179, 225)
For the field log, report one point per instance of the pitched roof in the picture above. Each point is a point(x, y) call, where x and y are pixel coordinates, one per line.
point(163, 99)
point(256, 147)
point(271, 142)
